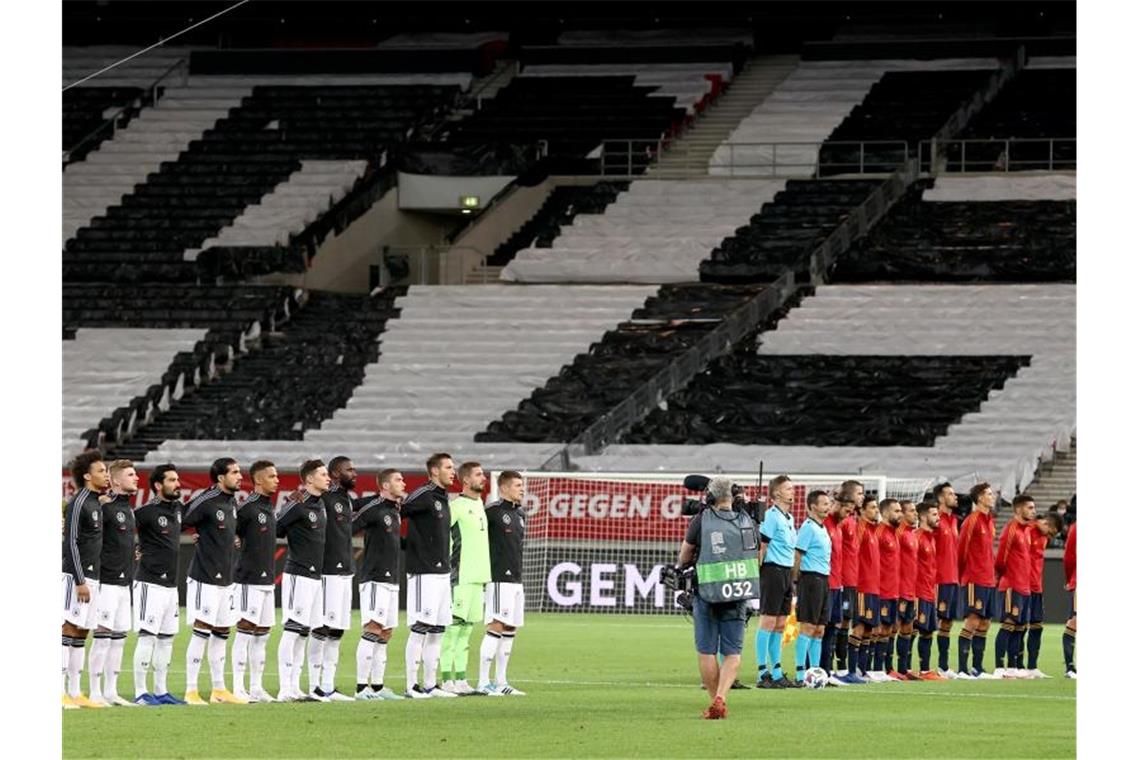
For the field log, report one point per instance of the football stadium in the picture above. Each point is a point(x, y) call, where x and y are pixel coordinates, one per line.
point(599, 369)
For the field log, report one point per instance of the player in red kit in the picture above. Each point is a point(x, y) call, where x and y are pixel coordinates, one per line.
point(1069, 638)
point(907, 535)
point(850, 495)
point(891, 513)
point(831, 523)
point(926, 586)
point(976, 575)
point(1044, 528)
point(1014, 568)
point(946, 541)
point(860, 645)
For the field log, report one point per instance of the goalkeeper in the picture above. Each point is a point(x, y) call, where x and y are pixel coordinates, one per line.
point(470, 570)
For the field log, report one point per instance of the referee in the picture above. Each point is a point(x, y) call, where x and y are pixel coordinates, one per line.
point(810, 573)
point(777, 544)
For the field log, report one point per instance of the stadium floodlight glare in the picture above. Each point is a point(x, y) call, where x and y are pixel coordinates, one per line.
point(468, 202)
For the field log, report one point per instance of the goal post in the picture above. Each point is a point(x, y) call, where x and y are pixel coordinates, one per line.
point(597, 541)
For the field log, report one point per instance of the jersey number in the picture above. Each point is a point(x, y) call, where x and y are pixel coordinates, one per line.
point(736, 589)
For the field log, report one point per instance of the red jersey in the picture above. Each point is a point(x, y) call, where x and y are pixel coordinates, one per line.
point(1037, 543)
point(908, 561)
point(888, 562)
point(847, 528)
point(1013, 563)
point(946, 541)
point(835, 578)
point(867, 547)
point(976, 549)
point(926, 583)
point(1069, 560)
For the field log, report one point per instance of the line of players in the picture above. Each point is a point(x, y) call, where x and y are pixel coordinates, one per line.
point(870, 576)
point(113, 582)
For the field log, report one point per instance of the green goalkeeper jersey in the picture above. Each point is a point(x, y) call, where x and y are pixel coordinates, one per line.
point(470, 554)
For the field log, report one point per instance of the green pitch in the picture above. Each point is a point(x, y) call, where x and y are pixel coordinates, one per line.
point(600, 686)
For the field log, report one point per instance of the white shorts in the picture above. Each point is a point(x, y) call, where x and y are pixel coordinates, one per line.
point(337, 601)
point(113, 608)
point(504, 602)
point(301, 600)
point(429, 599)
point(255, 604)
point(79, 614)
point(213, 605)
point(156, 608)
point(380, 604)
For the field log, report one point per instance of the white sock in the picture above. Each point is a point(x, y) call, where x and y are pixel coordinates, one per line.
point(66, 661)
point(217, 656)
point(316, 660)
point(328, 665)
point(75, 666)
point(285, 659)
point(299, 663)
point(257, 661)
point(431, 658)
point(163, 654)
point(243, 641)
point(114, 665)
point(194, 652)
point(365, 652)
point(487, 651)
point(379, 664)
point(413, 655)
point(502, 656)
point(96, 662)
point(144, 650)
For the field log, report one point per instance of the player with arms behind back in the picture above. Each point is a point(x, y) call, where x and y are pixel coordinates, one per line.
point(1013, 566)
point(504, 598)
point(926, 586)
point(946, 541)
point(470, 572)
point(255, 577)
point(1044, 528)
point(976, 573)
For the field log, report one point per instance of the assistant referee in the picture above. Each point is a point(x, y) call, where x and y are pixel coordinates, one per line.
point(810, 573)
point(778, 541)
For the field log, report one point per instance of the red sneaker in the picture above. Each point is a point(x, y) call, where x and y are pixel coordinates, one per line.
point(896, 675)
point(930, 675)
point(912, 676)
point(717, 710)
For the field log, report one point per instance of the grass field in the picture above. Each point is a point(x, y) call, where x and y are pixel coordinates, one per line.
point(601, 686)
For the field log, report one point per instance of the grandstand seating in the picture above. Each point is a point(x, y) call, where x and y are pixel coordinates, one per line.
point(86, 109)
point(559, 209)
point(657, 231)
point(669, 323)
point(1013, 240)
point(806, 108)
point(297, 378)
point(786, 230)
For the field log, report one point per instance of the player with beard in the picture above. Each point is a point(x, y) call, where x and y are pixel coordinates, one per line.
point(908, 587)
point(336, 582)
point(1044, 529)
point(843, 507)
point(861, 644)
point(887, 536)
point(926, 586)
point(946, 539)
point(851, 494)
point(116, 572)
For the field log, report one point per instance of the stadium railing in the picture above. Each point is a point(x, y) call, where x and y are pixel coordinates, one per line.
point(1000, 155)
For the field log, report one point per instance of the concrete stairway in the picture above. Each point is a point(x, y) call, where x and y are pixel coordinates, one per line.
point(1055, 480)
point(689, 155)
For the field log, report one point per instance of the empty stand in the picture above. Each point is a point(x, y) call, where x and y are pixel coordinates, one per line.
point(1011, 240)
point(558, 210)
point(691, 85)
point(294, 380)
point(785, 231)
point(658, 231)
point(668, 324)
point(1003, 187)
point(87, 109)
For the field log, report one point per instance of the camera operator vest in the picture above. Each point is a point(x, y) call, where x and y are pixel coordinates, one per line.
point(728, 569)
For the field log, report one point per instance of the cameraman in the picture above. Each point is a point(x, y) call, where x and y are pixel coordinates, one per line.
point(725, 546)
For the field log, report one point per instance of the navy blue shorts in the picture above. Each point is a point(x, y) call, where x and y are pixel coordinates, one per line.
point(947, 601)
point(850, 596)
point(927, 621)
point(837, 607)
point(979, 600)
point(908, 608)
point(1014, 608)
point(1036, 607)
point(719, 628)
point(1073, 603)
point(867, 609)
point(888, 611)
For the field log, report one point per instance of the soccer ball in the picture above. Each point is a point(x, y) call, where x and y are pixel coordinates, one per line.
point(815, 678)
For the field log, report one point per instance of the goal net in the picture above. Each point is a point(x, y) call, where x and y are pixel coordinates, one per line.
point(597, 542)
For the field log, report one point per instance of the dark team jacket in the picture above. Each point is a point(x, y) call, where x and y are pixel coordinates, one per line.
point(214, 513)
point(257, 529)
point(380, 520)
point(159, 524)
point(303, 523)
point(428, 548)
point(506, 529)
point(338, 533)
point(82, 536)
point(117, 557)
